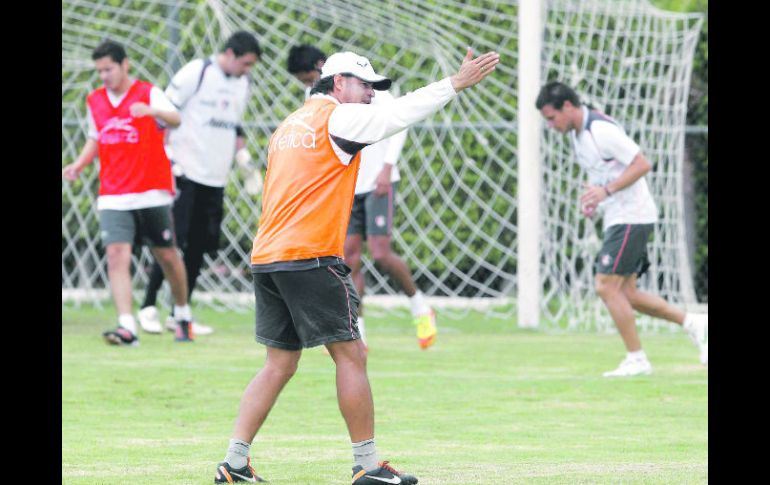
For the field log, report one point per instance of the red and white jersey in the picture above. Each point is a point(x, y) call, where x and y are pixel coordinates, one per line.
point(134, 171)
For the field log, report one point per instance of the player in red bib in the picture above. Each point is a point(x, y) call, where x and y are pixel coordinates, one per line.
point(126, 121)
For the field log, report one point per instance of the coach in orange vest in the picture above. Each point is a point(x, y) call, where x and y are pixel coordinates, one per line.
point(304, 294)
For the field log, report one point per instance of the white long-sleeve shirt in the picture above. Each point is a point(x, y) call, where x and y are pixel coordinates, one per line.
point(353, 126)
point(375, 156)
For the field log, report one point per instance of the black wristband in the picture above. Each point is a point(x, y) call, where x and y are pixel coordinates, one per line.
point(609, 194)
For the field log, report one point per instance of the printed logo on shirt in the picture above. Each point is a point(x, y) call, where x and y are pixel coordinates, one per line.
point(606, 260)
point(166, 234)
point(380, 221)
point(294, 133)
point(118, 130)
point(227, 125)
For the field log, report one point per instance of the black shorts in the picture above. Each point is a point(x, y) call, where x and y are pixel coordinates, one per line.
point(198, 213)
point(302, 309)
point(150, 226)
point(372, 214)
point(624, 250)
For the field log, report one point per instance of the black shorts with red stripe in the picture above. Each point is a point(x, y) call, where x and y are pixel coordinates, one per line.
point(305, 308)
point(624, 250)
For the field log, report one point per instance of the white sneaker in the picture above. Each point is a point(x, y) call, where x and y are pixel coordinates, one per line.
point(148, 320)
point(697, 327)
point(197, 328)
point(631, 367)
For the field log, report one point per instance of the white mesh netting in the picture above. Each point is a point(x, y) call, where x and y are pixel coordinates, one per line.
point(456, 208)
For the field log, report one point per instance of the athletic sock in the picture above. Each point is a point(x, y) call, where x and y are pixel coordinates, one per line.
point(365, 454)
point(418, 304)
point(638, 355)
point(237, 453)
point(182, 313)
point(127, 321)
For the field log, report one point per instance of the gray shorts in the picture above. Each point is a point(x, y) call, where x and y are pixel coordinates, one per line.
point(373, 214)
point(151, 226)
point(297, 309)
point(624, 250)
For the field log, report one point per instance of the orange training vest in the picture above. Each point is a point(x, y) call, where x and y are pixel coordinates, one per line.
point(308, 192)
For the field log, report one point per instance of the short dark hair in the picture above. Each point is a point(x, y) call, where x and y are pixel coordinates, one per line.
point(323, 85)
point(241, 43)
point(326, 85)
point(556, 93)
point(303, 58)
point(110, 48)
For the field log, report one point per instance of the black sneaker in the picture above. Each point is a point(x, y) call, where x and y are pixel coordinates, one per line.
point(184, 332)
point(121, 336)
point(227, 474)
point(384, 474)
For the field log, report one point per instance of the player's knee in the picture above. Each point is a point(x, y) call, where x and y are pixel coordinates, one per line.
point(381, 259)
point(118, 256)
point(166, 256)
point(605, 287)
point(382, 254)
point(283, 370)
point(632, 296)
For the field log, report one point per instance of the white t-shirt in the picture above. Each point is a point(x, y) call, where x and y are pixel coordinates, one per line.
point(604, 150)
point(141, 200)
point(204, 144)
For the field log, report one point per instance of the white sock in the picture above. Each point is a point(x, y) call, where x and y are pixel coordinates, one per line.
point(182, 313)
point(361, 329)
point(418, 304)
point(237, 453)
point(127, 321)
point(638, 355)
point(365, 454)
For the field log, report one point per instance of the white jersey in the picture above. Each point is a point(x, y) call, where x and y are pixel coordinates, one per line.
point(604, 150)
point(142, 200)
point(374, 156)
point(211, 104)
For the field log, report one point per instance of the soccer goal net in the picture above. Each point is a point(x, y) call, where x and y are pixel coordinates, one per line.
point(456, 206)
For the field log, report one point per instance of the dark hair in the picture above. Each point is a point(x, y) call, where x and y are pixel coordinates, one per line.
point(326, 85)
point(303, 58)
point(555, 94)
point(241, 43)
point(110, 48)
point(323, 85)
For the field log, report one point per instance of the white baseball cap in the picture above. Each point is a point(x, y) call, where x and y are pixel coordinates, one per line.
point(359, 66)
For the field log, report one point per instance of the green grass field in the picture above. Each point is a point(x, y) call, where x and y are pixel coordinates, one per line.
point(488, 404)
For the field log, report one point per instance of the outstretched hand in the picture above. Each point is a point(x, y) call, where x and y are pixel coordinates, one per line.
point(472, 71)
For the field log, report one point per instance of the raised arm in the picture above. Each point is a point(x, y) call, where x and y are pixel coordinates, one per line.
point(369, 123)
